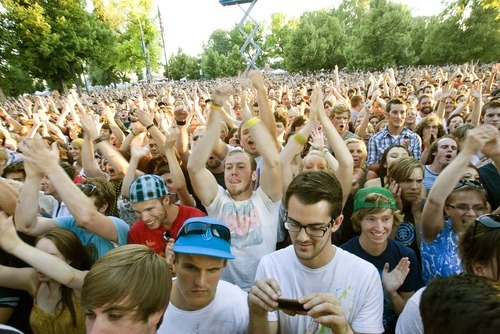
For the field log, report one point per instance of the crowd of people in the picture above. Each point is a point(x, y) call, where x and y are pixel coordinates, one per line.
point(332, 202)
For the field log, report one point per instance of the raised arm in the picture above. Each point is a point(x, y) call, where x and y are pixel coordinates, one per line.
point(81, 207)
point(265, 113)
point(180, 189)
point(293, 147)
point(432, 221)
point(203, 181)
point(8, 197)
point(88, 162)
point(41, 261)
point(26, 217)
point(339, 148)
point(270, 176)
point(136, 153)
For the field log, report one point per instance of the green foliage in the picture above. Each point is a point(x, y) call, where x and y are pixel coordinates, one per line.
point(54, 40)
point(280, 32)
point(181, 65)
point(466, 30)
point(385, 39)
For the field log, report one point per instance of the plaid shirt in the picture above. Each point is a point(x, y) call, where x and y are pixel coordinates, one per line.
point(380, 141)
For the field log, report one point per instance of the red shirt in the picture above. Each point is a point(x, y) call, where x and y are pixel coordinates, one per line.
point(141, 234)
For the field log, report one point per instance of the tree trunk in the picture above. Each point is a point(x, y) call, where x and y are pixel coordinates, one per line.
point(75, 78)
point(3, 98)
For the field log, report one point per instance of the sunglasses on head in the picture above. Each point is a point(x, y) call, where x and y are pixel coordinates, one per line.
point(218, 231)
point(470, 183)
point(489, 221)
point(87, 187)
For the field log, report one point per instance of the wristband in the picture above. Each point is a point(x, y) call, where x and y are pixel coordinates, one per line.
point(251, 122)
point(212, 103)
point(300, 139)
point(216, 107)
point(180, 122)
point(149, 126)
point(133, 133)
point(99, 139)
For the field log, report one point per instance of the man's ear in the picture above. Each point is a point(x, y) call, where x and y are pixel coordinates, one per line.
point(254, 175)
point(337, 223)
point(166, 200)
point(103, 208)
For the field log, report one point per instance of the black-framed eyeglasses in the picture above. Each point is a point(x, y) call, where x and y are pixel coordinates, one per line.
point(489, 221)
point(87, 187)
point(465, 208)
point(219, 231)
point(471, 183)
point(311, 230)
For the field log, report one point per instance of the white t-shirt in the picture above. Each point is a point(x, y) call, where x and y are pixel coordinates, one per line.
point(226, 314)
point(350, 279)
point(410, 321)
point(254, 230)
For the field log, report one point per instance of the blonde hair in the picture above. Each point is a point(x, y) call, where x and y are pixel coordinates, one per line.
point(359, 215)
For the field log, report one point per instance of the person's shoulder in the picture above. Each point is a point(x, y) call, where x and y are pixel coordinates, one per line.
point(138, 226)
point(119, 222)
point(351, 244)
point(190, 211)
point(231, 288)
point(356, 264)
point(403, 250)
point(65, 221)
point(278, 256)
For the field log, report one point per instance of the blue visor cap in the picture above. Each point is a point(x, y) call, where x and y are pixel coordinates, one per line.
point(204, 236)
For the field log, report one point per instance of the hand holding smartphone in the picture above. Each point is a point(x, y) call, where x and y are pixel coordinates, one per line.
point(290, 304)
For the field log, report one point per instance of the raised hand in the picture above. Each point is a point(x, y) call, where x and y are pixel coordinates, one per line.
point(393, 280)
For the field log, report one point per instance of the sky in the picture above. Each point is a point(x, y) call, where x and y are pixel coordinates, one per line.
point(189, 23)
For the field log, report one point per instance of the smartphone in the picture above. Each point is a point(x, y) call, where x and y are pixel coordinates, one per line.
point(290, 304)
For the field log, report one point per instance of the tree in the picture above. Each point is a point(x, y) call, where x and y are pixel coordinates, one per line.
point(384, 39)
point(53, 38)
point(234, 62)
point(220, 42)
point(213, 64)
point(464, 31)
point(181, 65)
point(306, 50)
point(126, 19)
point(280, 31)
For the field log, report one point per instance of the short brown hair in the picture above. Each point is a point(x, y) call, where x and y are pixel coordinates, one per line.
point(131, 274)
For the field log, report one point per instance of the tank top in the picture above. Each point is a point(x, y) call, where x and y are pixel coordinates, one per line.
point(58, 322)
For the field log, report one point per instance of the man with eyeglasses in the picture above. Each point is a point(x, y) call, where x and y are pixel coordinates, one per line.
point(200, 301)
point(339, 292)
point(88, 205)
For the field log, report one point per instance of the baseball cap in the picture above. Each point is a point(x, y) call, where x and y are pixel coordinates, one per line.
point(386, 202)
point(147, 187)
point(204, 236)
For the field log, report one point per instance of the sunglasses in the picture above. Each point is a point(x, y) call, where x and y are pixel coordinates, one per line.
point(489, 221)
point(470, 183)
point(195, 138)
point(218, 231)
point(166, 236)
point(87, 187)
